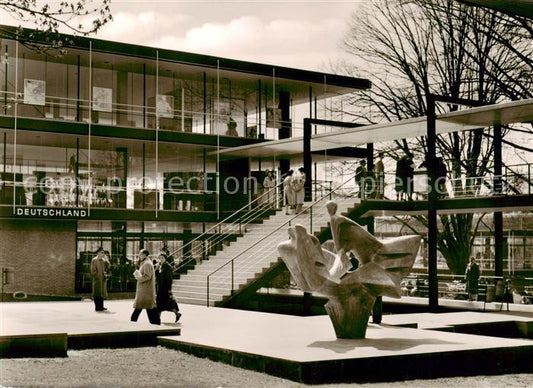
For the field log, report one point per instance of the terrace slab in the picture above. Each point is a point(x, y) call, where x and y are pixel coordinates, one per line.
point(48, 329)
point(305, 349)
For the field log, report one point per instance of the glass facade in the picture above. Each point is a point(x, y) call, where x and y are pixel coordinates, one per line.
point(57, 163)
point(111, 89)
point(117, 131)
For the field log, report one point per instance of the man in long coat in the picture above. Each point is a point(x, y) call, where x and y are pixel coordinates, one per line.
point(99, 266)
point(145, 292)
point(472, 279)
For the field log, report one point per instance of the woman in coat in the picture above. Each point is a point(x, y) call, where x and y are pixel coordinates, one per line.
point(290, 200)
point(99, 267)
point(145, 292)
point(269, 184)
point(165, 300)
point(472, 279)
point(298, 185)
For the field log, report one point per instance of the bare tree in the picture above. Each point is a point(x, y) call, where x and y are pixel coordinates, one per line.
point(79, 17)
point(417, 47)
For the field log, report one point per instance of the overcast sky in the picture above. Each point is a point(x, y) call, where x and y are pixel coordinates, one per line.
point(301, 34)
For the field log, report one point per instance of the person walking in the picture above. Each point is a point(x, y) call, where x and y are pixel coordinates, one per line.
point(99, 267)
point(472, 279)
point(145, 292)
point(164, 299)
point(379, 169)
point(288, 192)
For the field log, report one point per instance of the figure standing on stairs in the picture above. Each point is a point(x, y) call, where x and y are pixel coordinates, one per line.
point(288, 192)
point(164, 299)
point(269, 185)
point(298, 185)
point(360, 177)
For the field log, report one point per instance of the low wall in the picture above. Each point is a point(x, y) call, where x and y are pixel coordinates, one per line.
point(39, 255)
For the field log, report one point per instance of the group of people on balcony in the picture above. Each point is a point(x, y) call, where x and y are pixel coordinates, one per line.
point(371, 183)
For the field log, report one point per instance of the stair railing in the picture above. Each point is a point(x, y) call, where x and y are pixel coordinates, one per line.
point(218, 233)
point(264, 251)
point(516, 179)
point(518, 175)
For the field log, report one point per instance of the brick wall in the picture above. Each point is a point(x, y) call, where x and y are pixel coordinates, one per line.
point(41, 254)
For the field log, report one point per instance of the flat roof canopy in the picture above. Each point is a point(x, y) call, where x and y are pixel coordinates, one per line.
point(464, 120)
point(512, 7)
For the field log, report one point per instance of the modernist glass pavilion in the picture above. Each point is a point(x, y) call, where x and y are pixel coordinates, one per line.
point(96, 134)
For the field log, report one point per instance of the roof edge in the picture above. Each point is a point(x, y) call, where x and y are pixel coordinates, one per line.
point(228, 64)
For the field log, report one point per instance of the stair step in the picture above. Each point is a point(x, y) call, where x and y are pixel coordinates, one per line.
point(181, 296)
point(196, 301)
point(263, 240)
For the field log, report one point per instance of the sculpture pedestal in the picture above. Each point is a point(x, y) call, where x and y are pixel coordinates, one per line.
point(350, 315)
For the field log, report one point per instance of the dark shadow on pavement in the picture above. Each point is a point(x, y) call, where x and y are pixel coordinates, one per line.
point(396, 344)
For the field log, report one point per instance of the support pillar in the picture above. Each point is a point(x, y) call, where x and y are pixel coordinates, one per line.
point(307, 160)
point(285, 129)
point(432, 205)
point(377, 309)
point(370, 168)
point(498, 216)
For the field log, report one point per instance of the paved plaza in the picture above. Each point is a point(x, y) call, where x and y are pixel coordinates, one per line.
point(302, 349)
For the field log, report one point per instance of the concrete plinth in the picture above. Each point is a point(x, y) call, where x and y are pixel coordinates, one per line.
point(350, 315)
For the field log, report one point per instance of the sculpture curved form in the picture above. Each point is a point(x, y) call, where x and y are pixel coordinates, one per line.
point(351, 294)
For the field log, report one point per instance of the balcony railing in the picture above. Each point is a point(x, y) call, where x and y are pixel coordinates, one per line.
point(135, 116)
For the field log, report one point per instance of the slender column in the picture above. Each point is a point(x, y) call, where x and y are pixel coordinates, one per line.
point(307, 159)
point(77, 172)
point(144, 96)
point(260, 133)
point(316, 127)
point(498, 216)
point(205, 103)
point(370, 168)
point(143, 187)
point(79, 114)
point(4, 157)
point(285, 130)
point(377, 309)
point(432, 205)
point(6, 68)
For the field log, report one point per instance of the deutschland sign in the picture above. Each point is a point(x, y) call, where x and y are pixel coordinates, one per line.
point(37, 212)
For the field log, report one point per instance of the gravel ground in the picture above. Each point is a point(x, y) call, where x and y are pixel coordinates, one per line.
point(161, 367)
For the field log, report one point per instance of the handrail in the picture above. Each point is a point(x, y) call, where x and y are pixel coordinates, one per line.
point(453, 285)
point(232, 261)
point(247, 217)
point(514, 172)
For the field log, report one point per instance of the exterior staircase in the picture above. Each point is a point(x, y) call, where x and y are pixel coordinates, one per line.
point(245, 260)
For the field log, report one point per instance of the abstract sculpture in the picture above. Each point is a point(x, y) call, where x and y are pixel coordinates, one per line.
point(351, 293)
